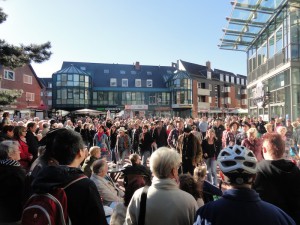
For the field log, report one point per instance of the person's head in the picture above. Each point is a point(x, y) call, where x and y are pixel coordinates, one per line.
point(295, 124)
point(238, 165)
point(281, 130)
point(19, 132)
point(187, 129)
point(273, 146)
point(135, 159)
point(246, 126)
point(121, 131)
point(269, 127)
point(189, 185)
point(252, 134)
point(179, 124)
point(8, 130)
point(65, 146)
point(164, 163)
point(234, 126)
point(5, 114)
point(100, 167)
point(31, 126)
point(200, 173)
point(210, 134)
point(95, 151)
point(45, 125)
point(9, 150)
point(145, 128)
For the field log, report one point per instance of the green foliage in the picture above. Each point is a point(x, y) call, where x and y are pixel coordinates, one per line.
point(16, 56)
point(8, 97)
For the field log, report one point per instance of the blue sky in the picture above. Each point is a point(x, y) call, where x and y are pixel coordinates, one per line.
point(153, 32)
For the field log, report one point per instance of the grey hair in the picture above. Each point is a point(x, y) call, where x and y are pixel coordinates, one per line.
point(163, 161)
point(98, 166)
point(7, 148)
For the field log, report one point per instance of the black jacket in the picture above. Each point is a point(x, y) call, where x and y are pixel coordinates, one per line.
point(278, 182)
point(84, 203)
point(145, 143)
point(12, 180)
point(33, 144)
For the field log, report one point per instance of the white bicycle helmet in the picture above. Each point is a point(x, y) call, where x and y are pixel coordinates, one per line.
point(237, 160)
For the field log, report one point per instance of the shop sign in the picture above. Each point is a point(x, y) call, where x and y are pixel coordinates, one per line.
point(138, 107)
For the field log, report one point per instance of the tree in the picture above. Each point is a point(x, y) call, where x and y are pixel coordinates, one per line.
point(16, 56)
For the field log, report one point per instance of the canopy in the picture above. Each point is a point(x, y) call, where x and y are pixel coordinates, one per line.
point(89, 112)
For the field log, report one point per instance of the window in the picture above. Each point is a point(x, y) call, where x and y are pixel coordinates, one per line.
point(221, 77)
point(228, 100)
point(27, 79)
point(49, 85)
point(227, 78)
point(238, 80)
point(244, 101)
point(149, 73)
point(113, 82)
point(138, 82)
point(149, 83)
point(106, 71)
point(209, 99)
point(222, 88)
point(242, 82)
point(122, 72)
point(222, 101)
point(29, 96)
point(232, 80)
point(199, 85)
point(239, 91)
point(49, 102)
point(210, 87)
point(9, 75)
point(49, 93)
point(133, 72)
point(124, 82)
point(227, 89)
point(208, 75)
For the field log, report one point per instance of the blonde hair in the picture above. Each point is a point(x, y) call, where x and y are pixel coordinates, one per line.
point(200, 173)
point(253, 131)
point(268, 125)
point(94, 150)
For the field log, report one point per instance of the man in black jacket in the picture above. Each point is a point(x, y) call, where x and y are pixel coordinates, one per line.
point(84, 202)
point(278, 180)
point(32, 140)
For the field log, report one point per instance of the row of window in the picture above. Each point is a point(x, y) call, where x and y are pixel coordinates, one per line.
point(223, 89)
point(10, 75)
point(132, 72)
point(138, 82)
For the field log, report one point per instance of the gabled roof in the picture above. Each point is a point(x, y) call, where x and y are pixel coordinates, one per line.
point(102, 79)
point(181, 75)
point(45, 81)
point(194, 69)
point(36, 77)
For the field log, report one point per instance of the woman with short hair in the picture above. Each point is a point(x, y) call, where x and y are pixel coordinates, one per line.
point(253, 143)
point(12, 179)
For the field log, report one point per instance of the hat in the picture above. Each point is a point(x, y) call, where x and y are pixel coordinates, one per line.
point(122, 129)
point(187, 128)
point(246, 124)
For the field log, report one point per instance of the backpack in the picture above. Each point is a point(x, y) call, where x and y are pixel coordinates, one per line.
point(48, 208)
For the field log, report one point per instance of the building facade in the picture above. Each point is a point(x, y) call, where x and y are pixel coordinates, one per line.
point(145, 91)
point(23, 79)
point(270, 35)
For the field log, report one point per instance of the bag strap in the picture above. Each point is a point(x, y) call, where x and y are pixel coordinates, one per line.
point(142, 214)
point(74, 181)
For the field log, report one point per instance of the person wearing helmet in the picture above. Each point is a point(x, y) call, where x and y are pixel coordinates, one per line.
point(240, 204)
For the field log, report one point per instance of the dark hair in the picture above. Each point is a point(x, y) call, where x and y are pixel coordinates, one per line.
point(7, 128)
point(189, 185)
point(277, 144)
point(30, 124)
point(63, 145)
point(5, 114)
point(18, 131)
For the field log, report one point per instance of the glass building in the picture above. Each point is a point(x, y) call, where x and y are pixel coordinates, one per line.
point(269, 32)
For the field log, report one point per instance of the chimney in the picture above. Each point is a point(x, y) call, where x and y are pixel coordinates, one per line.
point(137, 66)
point(208, 65)
point(174, 65)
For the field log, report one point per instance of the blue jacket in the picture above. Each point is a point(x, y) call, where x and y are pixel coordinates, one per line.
point(241, 206)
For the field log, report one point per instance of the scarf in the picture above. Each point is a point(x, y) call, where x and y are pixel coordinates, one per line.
point(100, 135)
point(9, 162)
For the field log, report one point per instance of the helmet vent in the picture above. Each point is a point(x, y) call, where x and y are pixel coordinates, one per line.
point(225, 153)
point(239, 158)
point(249, 164)
point(238, 151)
point(228, 163)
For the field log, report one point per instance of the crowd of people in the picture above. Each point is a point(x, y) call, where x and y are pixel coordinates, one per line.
point(173, 176)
